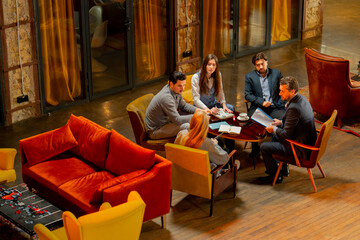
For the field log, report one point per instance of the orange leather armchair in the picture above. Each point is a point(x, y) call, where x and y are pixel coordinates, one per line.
point(330, 86)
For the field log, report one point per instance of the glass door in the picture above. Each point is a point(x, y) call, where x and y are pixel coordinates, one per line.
point(252, 26)
point(109, 24)
point(152, 28)
point(285, 21)
point(60, 56)
point(218, 28)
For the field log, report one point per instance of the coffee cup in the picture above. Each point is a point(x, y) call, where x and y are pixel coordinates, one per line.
point(243, 116)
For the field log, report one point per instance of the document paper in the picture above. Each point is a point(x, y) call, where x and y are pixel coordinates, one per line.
point(261, 117)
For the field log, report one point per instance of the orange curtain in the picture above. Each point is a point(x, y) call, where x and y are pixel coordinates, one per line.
point(150, 39)
point(252, 22)
point(281, 21)
point(59, 50)
point(216, 27)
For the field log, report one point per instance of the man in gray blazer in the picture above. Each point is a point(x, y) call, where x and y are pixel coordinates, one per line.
point(298, 125)
point(262, 90)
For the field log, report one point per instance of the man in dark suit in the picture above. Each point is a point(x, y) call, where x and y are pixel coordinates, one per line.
point(297, 124)
point(262, 90)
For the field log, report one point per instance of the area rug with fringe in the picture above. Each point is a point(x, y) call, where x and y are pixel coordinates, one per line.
point(347, 125)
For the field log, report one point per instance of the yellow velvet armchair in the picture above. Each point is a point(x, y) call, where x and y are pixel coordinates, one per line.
point(191, 173)
point(187, 93)
point(136, 110)
point(7, 171)
point(120, 222)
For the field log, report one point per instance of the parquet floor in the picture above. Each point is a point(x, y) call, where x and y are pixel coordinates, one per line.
point(290, 210)
point(287, 211)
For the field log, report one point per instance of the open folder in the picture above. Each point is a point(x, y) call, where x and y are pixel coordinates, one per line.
point(261, 117)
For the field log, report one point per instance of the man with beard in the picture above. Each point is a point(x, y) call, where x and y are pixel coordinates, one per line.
point(262, 91)
point(298, 124)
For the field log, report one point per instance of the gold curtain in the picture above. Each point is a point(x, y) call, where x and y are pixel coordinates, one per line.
point(150, 39)
point(216, 27)
point(59, 50)
point(281, 21)
point(252, 22)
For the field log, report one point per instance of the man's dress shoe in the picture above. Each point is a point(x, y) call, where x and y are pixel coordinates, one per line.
point(270, 179)
point(285, 171)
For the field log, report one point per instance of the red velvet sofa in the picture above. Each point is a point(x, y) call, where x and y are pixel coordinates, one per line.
point(80, 165)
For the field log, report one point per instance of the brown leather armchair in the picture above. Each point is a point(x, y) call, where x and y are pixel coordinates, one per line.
point(330, 86)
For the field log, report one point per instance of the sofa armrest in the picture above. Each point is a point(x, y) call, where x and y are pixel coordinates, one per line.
point(153, 186)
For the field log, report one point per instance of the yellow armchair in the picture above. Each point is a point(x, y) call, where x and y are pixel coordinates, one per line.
point(7, 158)
point(191, 166)
point(120, 222)
point(187, 93)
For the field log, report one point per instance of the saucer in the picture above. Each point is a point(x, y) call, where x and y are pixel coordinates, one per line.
point(243, 119)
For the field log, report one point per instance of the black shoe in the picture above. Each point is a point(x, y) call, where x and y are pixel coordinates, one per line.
point(270, 179)
point(285, 170)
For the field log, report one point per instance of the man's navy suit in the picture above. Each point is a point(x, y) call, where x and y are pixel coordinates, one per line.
point(298, 125)
point(254, 94)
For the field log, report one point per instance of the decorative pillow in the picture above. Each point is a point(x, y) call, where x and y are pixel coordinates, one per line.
point(49, 144)
point(125, 156)
point(93, 140)
point(97, 197)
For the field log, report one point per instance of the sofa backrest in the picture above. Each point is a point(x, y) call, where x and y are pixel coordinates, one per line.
point(93, 140)
point(125, 156)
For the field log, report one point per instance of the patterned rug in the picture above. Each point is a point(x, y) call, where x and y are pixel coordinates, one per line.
point(347, 125)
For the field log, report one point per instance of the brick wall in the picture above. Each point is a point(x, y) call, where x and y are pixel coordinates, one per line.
point(11, 80)
point(312, 18)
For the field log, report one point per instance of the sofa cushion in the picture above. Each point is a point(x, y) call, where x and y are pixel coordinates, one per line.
point(58, 170)
point(49, 144)
point(81, 190)
point(125, 156)
point(93, 140)
point(97, 197)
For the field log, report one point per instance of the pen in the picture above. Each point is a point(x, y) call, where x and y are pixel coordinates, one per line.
point(217, 137)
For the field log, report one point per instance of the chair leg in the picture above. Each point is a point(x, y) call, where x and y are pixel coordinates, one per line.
point(339, 122)
point(234, 184)
point(321, 170)
point(170, 197)
point(277, 173)
point(163, 221)
point(312, 179)
point(212, 194)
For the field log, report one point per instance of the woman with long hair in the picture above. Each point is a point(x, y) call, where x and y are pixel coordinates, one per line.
point(196, 137)
point(207, 88)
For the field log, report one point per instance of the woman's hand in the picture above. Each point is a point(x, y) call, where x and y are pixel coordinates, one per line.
point(214, 140)
point(226, 109)
point(214, 110)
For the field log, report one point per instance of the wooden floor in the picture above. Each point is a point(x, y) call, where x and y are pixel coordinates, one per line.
point(290, 210)
point(287, 211)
